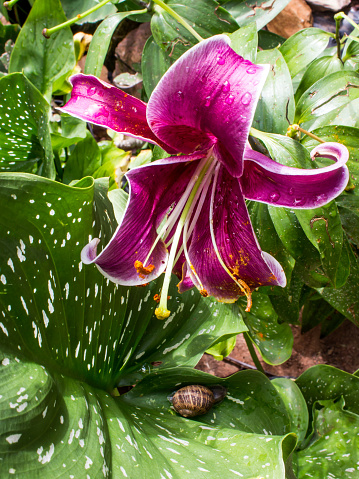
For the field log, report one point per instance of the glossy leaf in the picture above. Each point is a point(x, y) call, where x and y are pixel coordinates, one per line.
point(205, 16)
point(154, 64)
point(8, 32)
point(62, 426)
point(318, 69)
point(101, 41)
point(268, 40)
point(74, 7)
point(275, 109)
point(24, 135)
point(222, 349)
point(295, 405)
point(249, 11)
point(303, 47)
point(323, 228)
point(43, 60)
point(348, 206)
point(245, 42)
point(334, 444)
point(346, 298)
point(328, 94)
point(274, 340)
point(315, 311)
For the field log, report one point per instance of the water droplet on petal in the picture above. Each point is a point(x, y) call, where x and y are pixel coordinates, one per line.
point(91, 91)
point(220, 60)
point(179, 95)
point(246, 98)
point(300, 201)
point(204, 78)
point(251, 70)
point(208, 101)
point(291, 191)
point(226, 86)
point(240, 58)
point(187, 69)
point(229, 100)
point(274, 196)
point(322, 198)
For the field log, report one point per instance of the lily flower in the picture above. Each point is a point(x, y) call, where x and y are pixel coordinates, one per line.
point(187, 213)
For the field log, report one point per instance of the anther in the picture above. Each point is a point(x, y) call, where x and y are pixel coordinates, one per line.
point(143, 271)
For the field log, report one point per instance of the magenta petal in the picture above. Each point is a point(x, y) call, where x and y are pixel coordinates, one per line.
point(208, 95)
point(236, 242)
point(100, 103)
point(153, 189)
point(267, 181)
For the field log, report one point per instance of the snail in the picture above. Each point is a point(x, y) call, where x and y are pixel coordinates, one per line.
point(195, 400)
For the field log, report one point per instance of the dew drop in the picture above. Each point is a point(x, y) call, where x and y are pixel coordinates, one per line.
point(179, 95)
point(240, 58)
point(274, 196)
point(187, 69)
point(220, 60)
point(251, 70)
point(226, 86)
point(246, 98)
point(208, 101)
point(322, 198)
point(229, 100)
point(300, 201)
point(91, 91)
point(291, 191)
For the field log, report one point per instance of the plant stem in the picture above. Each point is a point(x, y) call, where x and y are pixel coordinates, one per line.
point(253, 352)
point(178, 18)
point(315, 137)
point(10, 4)
point(47, 32)
point(337, 38)
point(341, 16)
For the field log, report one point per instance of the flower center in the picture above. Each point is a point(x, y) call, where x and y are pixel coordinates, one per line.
point(193, 195)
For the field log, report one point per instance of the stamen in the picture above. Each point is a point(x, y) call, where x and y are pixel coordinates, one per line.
point(143, 271)
point(204, 293)
point(162, 312)
point(243, 286)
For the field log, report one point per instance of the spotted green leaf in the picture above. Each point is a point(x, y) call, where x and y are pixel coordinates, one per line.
point(55, 425)
point(154, 64)
point(74, 7)
point(273, 340)
point(244, 41)
point(43, 60)
point(25, 143)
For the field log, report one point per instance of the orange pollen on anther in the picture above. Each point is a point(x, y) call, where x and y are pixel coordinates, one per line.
point(247, 291)
point(143, 270)
point(204, 293)
point(157, 298)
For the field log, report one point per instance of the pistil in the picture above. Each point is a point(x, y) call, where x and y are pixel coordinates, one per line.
point(162, 312)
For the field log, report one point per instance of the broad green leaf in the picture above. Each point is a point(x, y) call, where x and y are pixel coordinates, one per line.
point(43, 60)
point(155, 62)
point(323, 382)
point(83, 161)
point(24, 134)
point(249, 11)
point(348, 206)
point(68, 316)
point(303, 47)
point(53, 425)
point(245, 42)
point(333, 448)
point(346, 299)
point(205, 16)
point(328, 94)
point(74, 7)
point(323, 228)
point(285, 150)
point(318, 69)
point(274, 340)
point(347, 136)
point(101, 41)
point(72, 127)
point(268, 40)
point(275, 109)
point(315, 311)
point(222, 349)
point(295, 405)
point(8, 32)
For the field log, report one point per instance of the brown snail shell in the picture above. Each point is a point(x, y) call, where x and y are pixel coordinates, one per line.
point(195, 400)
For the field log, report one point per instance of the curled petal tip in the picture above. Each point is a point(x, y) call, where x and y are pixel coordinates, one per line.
point(331, 150)
point(89, 252)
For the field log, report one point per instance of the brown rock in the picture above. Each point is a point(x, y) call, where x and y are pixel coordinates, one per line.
point(294, 17)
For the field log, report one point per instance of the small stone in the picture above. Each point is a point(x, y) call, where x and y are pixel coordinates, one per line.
point(333, 5)
point(294, 17)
